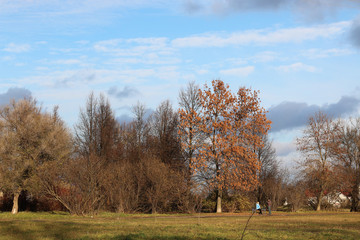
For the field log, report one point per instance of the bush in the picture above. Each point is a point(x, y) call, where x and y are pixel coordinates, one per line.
point(208, 205)
point(230, 203)
point(236, 203)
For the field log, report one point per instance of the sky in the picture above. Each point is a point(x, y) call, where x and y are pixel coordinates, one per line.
point(302, 55)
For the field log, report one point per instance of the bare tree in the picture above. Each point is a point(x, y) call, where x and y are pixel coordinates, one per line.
point(296, 194)
point(269, 176)
point(315, 145)
point(141, 123)
point(97, 129)
point(346, 149)
point(68, 183)
point(96, 137)
point(189, 118)
point(164, 124)
point(191, 139)
point(158, 189)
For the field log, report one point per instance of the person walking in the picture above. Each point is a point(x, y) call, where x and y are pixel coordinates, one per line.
point(258, 207)
point(269, 205)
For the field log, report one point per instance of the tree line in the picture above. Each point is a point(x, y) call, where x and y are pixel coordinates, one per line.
point(211, 154)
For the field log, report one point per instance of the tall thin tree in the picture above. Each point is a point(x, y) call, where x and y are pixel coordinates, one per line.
point(315, 145)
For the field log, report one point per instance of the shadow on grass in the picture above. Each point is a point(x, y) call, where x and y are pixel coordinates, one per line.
point(12, 231)
point(43, 229)
point(34, 230)
point(142, 236)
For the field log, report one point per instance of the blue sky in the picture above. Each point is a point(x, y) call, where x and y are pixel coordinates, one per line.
point(303, 55)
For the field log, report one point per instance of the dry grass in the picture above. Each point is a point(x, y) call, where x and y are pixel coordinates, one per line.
point(324, 225)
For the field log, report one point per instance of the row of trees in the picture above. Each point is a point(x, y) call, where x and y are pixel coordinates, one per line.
point(168, 161)
point(331, 163)
point(212, 154)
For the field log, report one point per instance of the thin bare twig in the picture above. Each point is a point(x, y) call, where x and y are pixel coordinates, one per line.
point(247, 223)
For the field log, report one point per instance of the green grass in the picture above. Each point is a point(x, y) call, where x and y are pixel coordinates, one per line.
point(304, 225)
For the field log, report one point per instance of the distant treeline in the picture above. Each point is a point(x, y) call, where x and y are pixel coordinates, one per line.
point(212, 154)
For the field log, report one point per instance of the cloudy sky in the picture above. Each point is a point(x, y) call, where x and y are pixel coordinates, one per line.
point(303, 55)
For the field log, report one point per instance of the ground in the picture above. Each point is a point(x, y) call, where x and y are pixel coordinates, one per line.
point(304, 225)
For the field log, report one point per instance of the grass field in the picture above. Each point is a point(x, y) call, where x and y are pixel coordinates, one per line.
point(305, 225)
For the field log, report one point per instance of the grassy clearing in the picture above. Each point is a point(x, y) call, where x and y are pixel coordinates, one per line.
point(324, 225)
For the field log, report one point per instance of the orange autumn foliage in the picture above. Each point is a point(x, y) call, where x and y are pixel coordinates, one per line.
point(232, 125)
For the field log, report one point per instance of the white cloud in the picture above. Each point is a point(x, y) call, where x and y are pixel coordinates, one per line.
point(66, 50)
point(168, 73)
point(324, 53)
point(20, 64)
point(95, 78)
point(296, 67)
point(17, 48)
point(7, 58)
point(284, 148)
point(82, 42)
point(41, 69)
point(148, 41)
point(68, 61)
point(107, 45)
point(290, 161)
point(138, 51)
point(243, 71)
point(82, 61)
point(264, 36)
point(150, 59)
point(309, 10)
point(41, 42)
point(134, 46)
point(70, 78)
point(202, 71)
point(266, 56)
point(236, 61)
point(66, 7)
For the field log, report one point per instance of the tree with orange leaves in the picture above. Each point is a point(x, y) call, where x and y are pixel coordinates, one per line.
point(233, 125)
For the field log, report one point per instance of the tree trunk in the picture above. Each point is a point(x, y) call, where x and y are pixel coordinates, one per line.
point(218, 201)
point(273, 203)
point(1, 198)
point(318, 206)
point(153, 210)
point(154, 207)
point(120, 208)
point(15, 208)
point(355, 198)
point(259, 194)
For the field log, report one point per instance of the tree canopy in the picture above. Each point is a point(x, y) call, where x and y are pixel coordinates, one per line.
point(29, 139)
